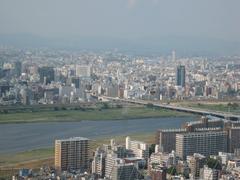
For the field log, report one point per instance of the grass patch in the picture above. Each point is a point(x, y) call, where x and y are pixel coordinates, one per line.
point(94, 114)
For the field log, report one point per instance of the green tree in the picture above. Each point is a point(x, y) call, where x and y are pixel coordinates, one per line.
point(172, 170)
point(151, 149)
point(214, 164)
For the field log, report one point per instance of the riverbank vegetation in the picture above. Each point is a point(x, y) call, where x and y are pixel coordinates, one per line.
point(102, 111)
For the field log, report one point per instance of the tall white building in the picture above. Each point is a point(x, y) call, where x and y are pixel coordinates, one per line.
point(98, 163)
point(118, 169)
point(139, 149)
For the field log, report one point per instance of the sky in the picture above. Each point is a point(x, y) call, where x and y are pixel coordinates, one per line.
point(122, 19)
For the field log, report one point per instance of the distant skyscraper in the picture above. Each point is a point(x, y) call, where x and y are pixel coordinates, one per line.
point(180, 76)
point(72, 154)
point(173, 55)
point(76, 82)
point(46, 74)
point(18, 68)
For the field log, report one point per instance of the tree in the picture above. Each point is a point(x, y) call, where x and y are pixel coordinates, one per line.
point(214, 164)
point(151, 149)
point(172, 171)
point(149, 105)
point(56, 108)
point(105, 105)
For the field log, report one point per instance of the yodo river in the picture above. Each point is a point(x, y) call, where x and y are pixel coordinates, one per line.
point(21, 137)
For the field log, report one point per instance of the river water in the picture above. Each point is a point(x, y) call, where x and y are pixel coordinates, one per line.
point(21, 137)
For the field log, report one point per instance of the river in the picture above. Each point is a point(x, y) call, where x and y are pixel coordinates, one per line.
point(21, 137)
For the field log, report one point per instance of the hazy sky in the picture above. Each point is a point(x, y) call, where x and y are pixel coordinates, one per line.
point(122, 18)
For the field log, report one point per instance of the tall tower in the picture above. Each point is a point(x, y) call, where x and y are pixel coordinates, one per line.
point(180, 76)
point(128, 142)
point(173, 56)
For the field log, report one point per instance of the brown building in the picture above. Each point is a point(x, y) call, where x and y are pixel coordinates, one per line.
point(166, 138)
point(233, 139)
point(72, 154)
point(158, 172)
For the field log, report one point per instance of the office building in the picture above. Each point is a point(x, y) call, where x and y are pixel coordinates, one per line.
point(46, 74)
point(18, 68)
point(180, 76)
point(205, 143)
point(72, 154)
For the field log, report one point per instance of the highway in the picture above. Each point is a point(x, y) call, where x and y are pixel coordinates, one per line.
point(224, 115)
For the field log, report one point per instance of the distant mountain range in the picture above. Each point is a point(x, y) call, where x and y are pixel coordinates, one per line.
point(142, 46)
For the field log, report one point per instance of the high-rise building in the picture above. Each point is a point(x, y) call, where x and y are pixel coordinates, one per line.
point(18, 68)
point(138, 148)
point(72, 154)
point(196, 162)
point(118, 169)
point(98, 163)
point(46, 74)
point(180, 76)
point(76, 81)
point(234, 138)
point(166, 138)
point(173, 56)
point(205, 143)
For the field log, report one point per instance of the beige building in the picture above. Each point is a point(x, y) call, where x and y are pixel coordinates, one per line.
point(72, 154)
point(196, 162)
point(205, 143)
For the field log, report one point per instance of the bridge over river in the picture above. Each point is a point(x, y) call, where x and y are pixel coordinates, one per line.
point(203, 112)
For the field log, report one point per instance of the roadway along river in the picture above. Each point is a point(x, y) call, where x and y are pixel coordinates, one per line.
point(21, 137)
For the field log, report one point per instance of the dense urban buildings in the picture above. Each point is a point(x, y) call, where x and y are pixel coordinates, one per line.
point(81, 75)
point(76, 79)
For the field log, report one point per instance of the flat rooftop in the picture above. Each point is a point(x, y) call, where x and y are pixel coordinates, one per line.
point(73, 139)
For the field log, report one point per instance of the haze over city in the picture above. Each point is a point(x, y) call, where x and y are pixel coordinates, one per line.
point(142, 26)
